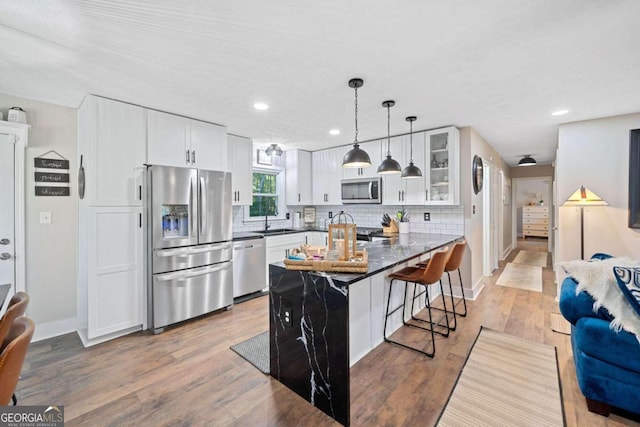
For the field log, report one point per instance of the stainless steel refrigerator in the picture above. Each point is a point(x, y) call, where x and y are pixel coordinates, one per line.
point(189, 241)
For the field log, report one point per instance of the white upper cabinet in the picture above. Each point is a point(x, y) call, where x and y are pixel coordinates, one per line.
point(437, 154)
point(405, 191)
point(167, 140)
point(298, 178)
point(208, 146)
point(179, 141)
point(442, 151)
point(375, 151)
point(240, 162)
point(393, 186)
point(111, 138)
point(327, 174)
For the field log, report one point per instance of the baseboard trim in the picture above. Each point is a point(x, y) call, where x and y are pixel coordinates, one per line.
point(53, 329)
point(506, 252)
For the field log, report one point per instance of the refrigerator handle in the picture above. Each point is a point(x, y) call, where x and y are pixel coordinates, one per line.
point(192, 212)
point(202, 202)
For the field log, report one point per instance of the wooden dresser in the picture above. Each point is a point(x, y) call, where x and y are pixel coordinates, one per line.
point(535, 221)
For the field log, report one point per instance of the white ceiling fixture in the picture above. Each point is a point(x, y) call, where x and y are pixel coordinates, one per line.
point(273, 150)
point(334, 132)
point(261, 106)
point(560, 113)
point(496, 67)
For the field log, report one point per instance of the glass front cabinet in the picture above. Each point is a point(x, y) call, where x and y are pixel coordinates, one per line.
point(442, 171)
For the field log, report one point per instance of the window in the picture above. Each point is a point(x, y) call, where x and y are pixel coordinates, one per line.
point(267, 186)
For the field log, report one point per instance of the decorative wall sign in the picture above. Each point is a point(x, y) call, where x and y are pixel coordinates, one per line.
point(42, 190)
point(51, 175)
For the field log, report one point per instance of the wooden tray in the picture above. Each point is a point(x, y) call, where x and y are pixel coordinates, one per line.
point(331, 266)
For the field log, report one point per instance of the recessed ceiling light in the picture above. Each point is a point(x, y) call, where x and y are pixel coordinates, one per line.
point(559, 112)
point(260, 106)
point(334, 132)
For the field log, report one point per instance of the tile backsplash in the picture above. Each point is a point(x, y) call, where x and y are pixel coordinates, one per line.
point(444, 219)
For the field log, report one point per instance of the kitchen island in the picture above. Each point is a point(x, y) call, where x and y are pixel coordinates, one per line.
point(322, 323)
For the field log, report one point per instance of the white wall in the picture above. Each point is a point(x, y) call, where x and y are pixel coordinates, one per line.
point(50, 248)
point(595, 154)
point(472, 143)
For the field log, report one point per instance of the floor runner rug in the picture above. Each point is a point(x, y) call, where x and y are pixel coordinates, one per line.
point(531, 258)
point(521, 276)
point(255, 351)
point(506, 381)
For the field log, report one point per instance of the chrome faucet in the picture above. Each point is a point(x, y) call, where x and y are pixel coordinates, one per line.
point(266, 222)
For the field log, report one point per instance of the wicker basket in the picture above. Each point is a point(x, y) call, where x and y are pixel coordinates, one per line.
point(331, 266)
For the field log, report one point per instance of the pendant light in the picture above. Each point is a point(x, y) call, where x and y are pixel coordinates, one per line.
point(527, 161)
point(356, 157)
point(273, 150)
point(411, 171)
point(388, 165)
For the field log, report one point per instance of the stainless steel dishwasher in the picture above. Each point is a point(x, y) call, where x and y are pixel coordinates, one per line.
point(249, 266)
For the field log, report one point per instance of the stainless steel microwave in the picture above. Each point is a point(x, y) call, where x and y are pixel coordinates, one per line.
point(361, 190)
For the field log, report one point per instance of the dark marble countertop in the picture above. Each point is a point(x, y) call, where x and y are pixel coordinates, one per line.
point(246, 235)
point(388, 253)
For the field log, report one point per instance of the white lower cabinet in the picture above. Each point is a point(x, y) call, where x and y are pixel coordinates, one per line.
point(318, 238)
point(278, 247)
point(111, 280)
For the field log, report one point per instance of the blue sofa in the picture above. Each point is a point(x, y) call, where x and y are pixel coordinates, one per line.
point(607, 363)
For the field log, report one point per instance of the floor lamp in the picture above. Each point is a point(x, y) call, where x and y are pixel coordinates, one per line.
point(583, 197)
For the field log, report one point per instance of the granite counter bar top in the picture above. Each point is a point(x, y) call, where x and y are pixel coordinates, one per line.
point(309, 321)
point(388, 253)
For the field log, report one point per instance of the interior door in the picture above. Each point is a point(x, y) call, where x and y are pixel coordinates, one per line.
point(7, 219)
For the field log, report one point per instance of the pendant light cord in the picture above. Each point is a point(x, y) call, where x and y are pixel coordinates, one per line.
point(356, 102)
point(411, 142)
point(388, 130)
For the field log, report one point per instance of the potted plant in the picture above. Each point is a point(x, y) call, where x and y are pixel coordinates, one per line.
point(403, 221)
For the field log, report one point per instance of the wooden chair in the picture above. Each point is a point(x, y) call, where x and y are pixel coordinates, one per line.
point(12, 357)
point(16, 308)
point(425, 277)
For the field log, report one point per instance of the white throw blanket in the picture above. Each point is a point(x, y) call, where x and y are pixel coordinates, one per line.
point(597, 278)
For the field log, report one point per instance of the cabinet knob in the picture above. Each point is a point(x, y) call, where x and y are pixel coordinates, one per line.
point(5, 256)
point(4, 241)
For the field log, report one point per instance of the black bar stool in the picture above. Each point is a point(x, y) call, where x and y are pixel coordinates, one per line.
point(420, 276)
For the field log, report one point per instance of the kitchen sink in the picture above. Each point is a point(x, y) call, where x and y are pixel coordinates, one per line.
point(276, 231)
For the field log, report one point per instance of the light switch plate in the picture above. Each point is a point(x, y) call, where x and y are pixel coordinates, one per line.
point(45, 217)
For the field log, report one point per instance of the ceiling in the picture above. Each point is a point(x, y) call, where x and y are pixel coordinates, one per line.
point(500, 66)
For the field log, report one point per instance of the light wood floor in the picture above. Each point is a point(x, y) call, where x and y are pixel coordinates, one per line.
point(189, 376)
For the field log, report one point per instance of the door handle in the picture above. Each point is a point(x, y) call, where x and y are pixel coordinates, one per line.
point(298, 196)
point(203, 202)
point(193, 157)
point(5, 256)
point(188, 157)
point(4, 241)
